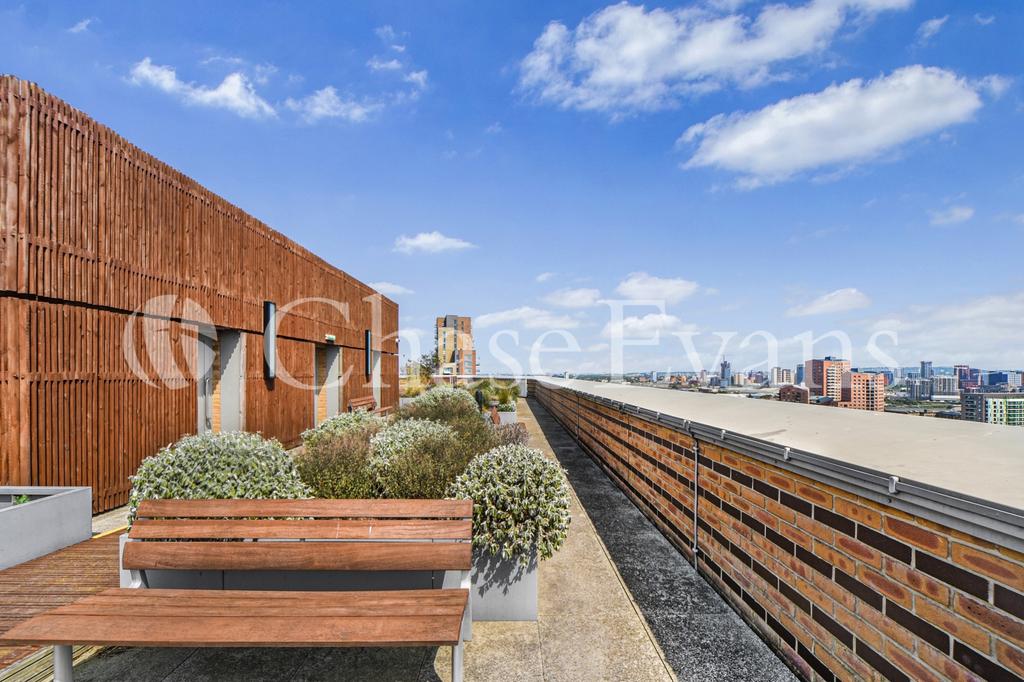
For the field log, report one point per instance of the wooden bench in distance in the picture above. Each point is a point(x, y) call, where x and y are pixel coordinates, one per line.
point(271, 535)
point(367, 403)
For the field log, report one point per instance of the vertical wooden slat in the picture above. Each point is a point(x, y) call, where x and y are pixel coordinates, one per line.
point(90, 229)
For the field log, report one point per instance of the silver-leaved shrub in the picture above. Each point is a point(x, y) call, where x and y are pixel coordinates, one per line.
point(448, 397)
point(339, 425)
point(520, 502)
point(217, 466)
point(403, 440)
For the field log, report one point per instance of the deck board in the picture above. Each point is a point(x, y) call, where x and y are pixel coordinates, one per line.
point(53, 580)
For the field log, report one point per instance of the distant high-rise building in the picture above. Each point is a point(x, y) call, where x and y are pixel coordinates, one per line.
point(863, 391)
point(799, 377)
point(825, 377)
point(725, 373)
point(993, 408)
point(997, 378)
point(926, 369)
point(919, 389)
point(455, 352)
point(963, 374)
point(945, 386)
point(781, 376)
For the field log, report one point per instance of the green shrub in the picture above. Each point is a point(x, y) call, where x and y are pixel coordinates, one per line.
point(337, 466)
point(426, 470)
point(512, 434)
point(217, 466)
point(441, 403)
point(476, 436)
point(506, 407)
point(401, 444)
point(520, 502)
point(340, 424)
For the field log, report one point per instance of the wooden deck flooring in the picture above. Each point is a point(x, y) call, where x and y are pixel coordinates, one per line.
point(52, 580)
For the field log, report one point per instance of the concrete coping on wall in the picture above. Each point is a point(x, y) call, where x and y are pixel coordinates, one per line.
point(965, 475)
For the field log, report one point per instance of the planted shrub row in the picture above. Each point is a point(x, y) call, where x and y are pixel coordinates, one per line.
point(437, 446)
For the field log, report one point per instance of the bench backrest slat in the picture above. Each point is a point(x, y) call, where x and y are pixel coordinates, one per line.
point(323, 509)
point(298, 556)
point(304, 535)
point(297, 529)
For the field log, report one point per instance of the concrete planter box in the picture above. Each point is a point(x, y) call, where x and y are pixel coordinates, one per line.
point(402, 402)
point(52, 519)
point(508, 417)
point(502, 589)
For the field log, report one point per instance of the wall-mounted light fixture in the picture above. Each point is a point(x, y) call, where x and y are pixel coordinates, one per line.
point(269, 339)
point(368, 352)
point(330, 338)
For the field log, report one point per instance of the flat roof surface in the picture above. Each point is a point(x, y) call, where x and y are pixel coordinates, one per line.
point(985, 461)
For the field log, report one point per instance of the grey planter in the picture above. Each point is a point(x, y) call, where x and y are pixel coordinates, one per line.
point(502, 589)
point(53, 519)
point(508, 417)
point(402, 402)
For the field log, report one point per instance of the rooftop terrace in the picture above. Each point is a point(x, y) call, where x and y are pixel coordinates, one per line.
point(618, 602)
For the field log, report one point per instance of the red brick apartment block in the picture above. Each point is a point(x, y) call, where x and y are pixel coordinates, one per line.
point(842, 586)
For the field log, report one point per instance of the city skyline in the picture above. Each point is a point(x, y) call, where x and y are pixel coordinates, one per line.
point(594, 178)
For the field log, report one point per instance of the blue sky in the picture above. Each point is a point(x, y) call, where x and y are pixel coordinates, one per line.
point(818, 165)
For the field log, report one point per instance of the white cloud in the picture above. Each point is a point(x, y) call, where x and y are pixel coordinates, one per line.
point(417, 78)
point(390, 288)
point(597, 347)
point(983, 332)
point(984, 19)
point(573, 298)
point(838, 301)
point(528, 317)
point(928, 29)
point(378, 64)
point(82, 26)
point(494, 129)
point(625, 58)
point(544, 276)
point(995, 85)
point(843, 125)
point(646, 326)
point(235, 93)
point(430, 242)
point(952, 215)
point(326, 103)
point(386, 33)
point(640, 285)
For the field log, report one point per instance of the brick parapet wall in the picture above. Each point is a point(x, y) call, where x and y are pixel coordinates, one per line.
point(844, 587)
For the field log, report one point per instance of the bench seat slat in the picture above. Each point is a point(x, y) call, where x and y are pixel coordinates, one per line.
point(299, 556)
point(383, 604)
point(242, 631)
point(131, 617)
point(314, 529)
point(410, 509)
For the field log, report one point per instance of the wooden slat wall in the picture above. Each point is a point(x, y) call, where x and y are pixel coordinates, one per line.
point(91, 229)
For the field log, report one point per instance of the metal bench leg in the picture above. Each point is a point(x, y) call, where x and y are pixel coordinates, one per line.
point(457, 652)
point(62, 666)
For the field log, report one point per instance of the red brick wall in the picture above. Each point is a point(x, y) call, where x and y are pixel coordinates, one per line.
point(843, 587)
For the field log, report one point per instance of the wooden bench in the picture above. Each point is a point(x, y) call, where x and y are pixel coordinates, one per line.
point(367, 403)
point(275, 535)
